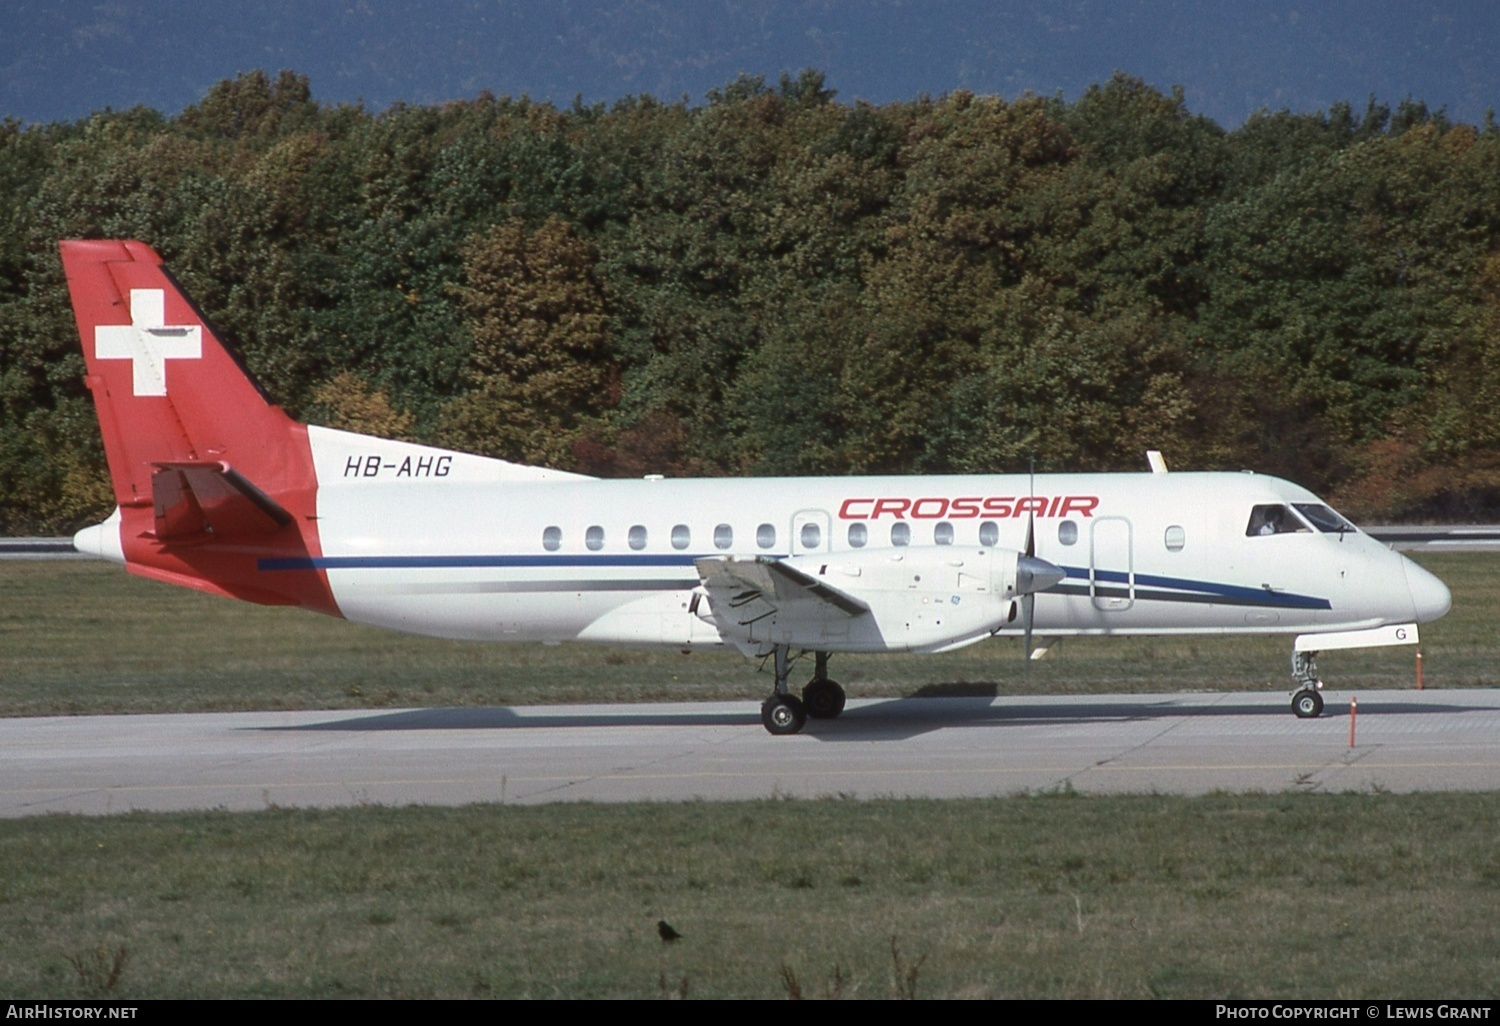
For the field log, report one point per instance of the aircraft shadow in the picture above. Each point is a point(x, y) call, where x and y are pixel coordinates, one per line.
point(499, 717)
point(902, 718)
point(890, 720)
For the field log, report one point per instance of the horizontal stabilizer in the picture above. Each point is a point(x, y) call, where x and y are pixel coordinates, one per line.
point(203, 498)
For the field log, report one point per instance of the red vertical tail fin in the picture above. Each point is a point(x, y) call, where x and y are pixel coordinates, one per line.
point(166, 388)
point(208, 474)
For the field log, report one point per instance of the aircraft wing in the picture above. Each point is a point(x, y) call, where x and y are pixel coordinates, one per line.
point(745, 591)
point(207, 497)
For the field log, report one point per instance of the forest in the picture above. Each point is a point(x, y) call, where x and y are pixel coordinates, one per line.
point(776, 282)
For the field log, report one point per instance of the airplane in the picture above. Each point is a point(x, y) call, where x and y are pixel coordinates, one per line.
point(220, 490)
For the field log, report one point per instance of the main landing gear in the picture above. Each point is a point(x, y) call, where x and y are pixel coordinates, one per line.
point(1307, 703)
point(822, 699)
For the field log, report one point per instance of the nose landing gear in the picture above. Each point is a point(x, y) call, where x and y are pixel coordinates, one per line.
point(1307, 703)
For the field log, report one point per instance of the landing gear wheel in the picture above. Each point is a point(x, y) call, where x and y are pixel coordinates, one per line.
point(783, 714)
point(824, 699)
point(1307, 704)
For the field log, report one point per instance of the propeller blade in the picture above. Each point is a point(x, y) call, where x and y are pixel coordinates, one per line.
point(1028, 607)
point(1031, 510)
point(1032, 574)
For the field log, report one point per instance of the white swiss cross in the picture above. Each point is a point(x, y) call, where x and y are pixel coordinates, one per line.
point(147, 342)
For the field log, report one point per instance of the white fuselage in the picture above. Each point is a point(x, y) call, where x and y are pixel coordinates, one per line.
point(459, 546)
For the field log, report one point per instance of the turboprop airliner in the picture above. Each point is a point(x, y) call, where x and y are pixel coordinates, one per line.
point(218, 489)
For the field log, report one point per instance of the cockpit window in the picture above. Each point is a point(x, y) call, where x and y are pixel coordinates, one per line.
point(1274, 519)
point(1323, 518)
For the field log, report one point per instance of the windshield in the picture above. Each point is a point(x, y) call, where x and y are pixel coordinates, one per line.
point(1323, 518)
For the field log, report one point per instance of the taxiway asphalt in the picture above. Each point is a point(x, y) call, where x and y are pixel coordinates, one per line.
point(933, 747)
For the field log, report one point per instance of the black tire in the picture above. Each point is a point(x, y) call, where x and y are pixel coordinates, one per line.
point(1307, 705)
point(824, 699)
point(783, 714)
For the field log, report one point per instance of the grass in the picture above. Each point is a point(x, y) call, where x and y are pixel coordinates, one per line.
point(84, 637)
point(1252, 896)
point(1313, 896)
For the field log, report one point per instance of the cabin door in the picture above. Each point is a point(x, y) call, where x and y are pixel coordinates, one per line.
point(1111, 565)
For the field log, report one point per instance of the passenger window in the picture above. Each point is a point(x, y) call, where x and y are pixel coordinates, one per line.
point(637, 537)
point(1067, 532)
point(681, 536)
point(858, 535)
point(812, 536)
point(989, 533)
point(1274, 519)
point(1176, 538)
point(942, 534)
point(594, 538)
point(900, 533)
point(552, 539)
point(765, 536)
point(723, 536)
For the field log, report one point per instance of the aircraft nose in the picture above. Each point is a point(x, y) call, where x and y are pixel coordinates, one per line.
point(1430, 597)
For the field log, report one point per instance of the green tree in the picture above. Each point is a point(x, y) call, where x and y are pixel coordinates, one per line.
point(540, 365)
